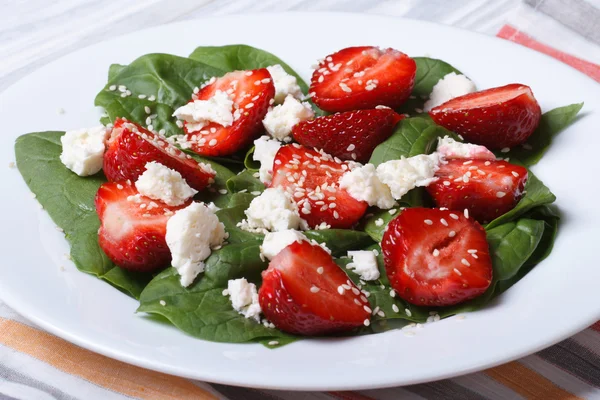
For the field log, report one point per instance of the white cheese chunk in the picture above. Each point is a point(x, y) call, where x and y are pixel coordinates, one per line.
point(274, 242)
point(244, 298)
point(159, 182)
point(273, 210)
point(364, 263)
point(200, 113)
point(192, 233)
point(265, 150)
point(83, 150)
point(450, 148)
point(447, 88)
point(285, 84)
point(363, 184)
point(407, 173)
point(281, 119)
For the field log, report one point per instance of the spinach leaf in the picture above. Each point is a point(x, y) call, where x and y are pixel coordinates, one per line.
point(114, 69)
point(240, 199)
point(201, 310)
point(412, 136)
point(230, 218)
point(169, 78)
point(69, 200)
point(551, 124)
point(339, 241)
point(429, 72)
point(249, 163)
point(241, 57)
point(537, 194)
point(245, 181)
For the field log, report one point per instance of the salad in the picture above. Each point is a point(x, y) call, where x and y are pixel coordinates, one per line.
point(241, 204)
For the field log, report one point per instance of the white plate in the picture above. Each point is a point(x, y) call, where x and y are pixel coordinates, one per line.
point(557, 299)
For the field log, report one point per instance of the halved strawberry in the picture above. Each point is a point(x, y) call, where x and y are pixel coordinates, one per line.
point(363, 77)
point(130, 147)
point(351, 135)
point(487, 189)
point(311, 178)
point(133, 227)
point(304, 292)
point(252, 93)
point(436, 258)
point(496, 118)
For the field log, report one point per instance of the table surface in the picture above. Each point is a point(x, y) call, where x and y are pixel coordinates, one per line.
point(35, 32)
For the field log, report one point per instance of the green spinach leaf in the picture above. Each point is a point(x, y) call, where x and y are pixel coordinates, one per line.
point(339, 241)
point(245, 182)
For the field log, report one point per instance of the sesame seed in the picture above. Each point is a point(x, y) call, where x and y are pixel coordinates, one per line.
point(347, 287)
point(249, 105)
point(381, 314)
point(453, 216)
point(223, 191)
point(152, 98)
point(505, 150)
point(225, 292)
point(273, 343)
point(392, 293)
point(340, 290)
point(444, 222)
point(500, 194)
point(320, 270)
point(314, 289)
point(471, 251)
point(112, 88)
point(515, 174)
point(119, 186)
point(150, 127)
point(408, 312)
point(395, 308)
point(355, 291)
point(457, 272)
point(367, 309)
point(487, 163)
point(357, 302)
point(451, 233)
point(163, 303)
point(379, 222)
point(212, 142)
point(336, 215)
point(466, 213)
point(475, 256)
point(436, 252)
point(147, 110)
point(428, 222)
point(367, 322)
point(468, 162)
point(345, 87)
point(350, 147)
point(141, 96)
point(465, 262)
point(122, 88)
point(392, 211)
point(446, 183)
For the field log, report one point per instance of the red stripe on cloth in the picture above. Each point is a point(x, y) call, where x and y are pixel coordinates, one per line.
point(596, 326)
point(590, 69)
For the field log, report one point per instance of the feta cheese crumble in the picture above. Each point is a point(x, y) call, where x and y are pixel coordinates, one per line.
point(244, 298)
point(281, 119)
point(265, 150)
point(363, 184)
point(364, 263)
point(83, 150)
point(447, 88)
point(450, 148)
point(191, 235)
point(200, 113)
point(159, 182)
point(407, 173)
point(285, 84)
point(274, 242)
point(273, 210)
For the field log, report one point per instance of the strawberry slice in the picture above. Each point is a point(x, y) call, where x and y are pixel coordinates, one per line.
point(304, 292)
point(133, 227)
point(252, 93)
point(487, 189)
point(363, 77)
point(311, 178)
point(496, 118)
point(130, 147)
point(351, 135)
point(436, 257)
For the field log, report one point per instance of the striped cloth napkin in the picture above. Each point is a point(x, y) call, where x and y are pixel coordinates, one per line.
point(38, 365)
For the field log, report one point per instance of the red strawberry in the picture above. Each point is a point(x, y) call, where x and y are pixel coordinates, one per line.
point(487, 189)
point(351, 135)
point(130, 147)
point(311, 178)
point(304, 292)
point(133, 227)
point(252, 93)
point(363, 77)
point(496, 118)
point(436, 258)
